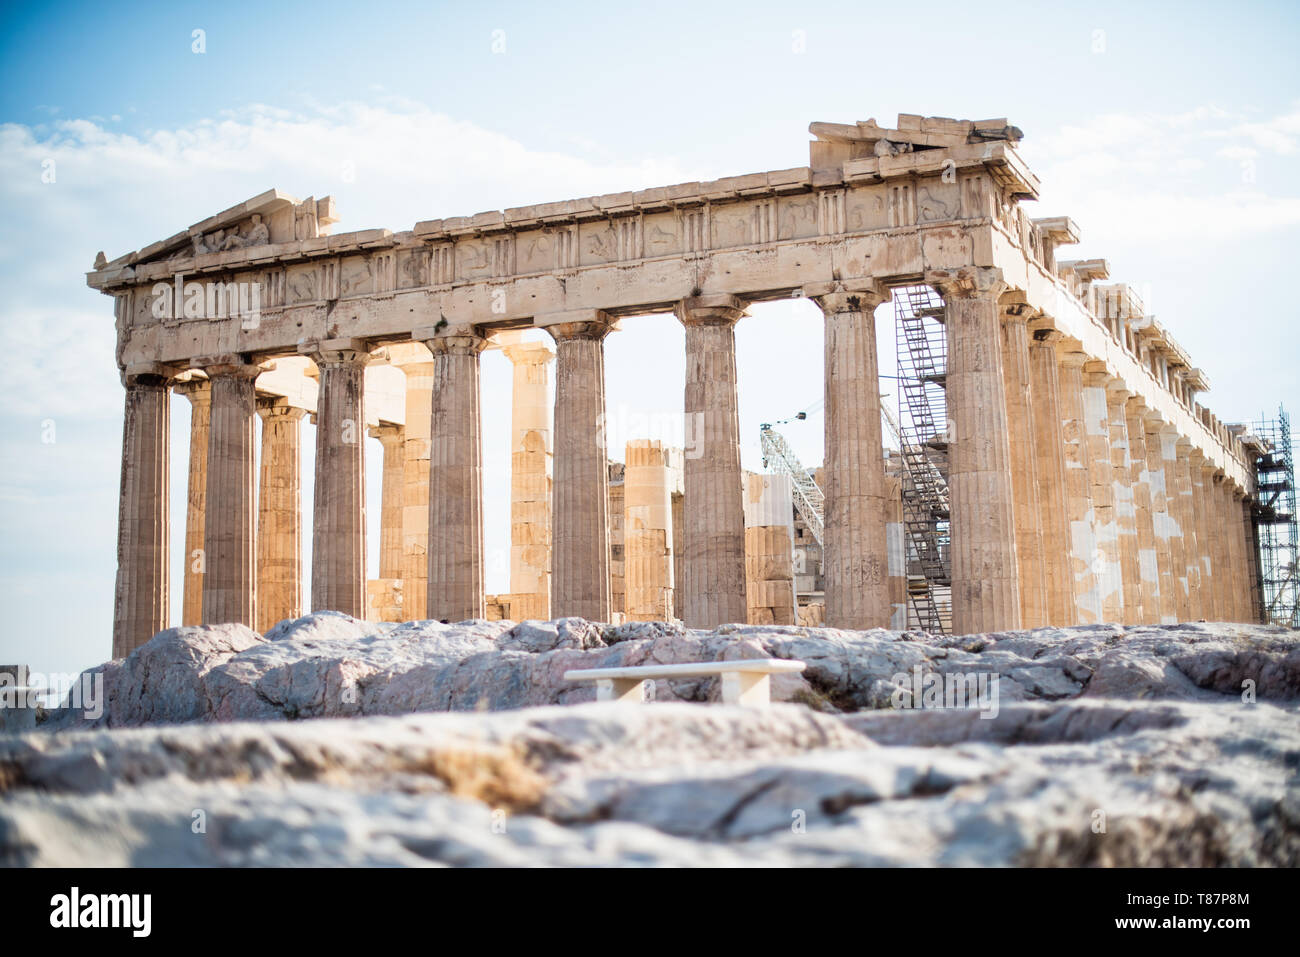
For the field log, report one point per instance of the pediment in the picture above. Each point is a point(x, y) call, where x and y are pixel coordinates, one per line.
point(268, 218)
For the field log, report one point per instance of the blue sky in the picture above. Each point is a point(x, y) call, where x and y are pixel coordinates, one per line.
point(1169, 132)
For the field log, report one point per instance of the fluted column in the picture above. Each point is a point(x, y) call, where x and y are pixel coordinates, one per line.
point(392, 438)
point(985, 586)
point(455, 572)
point(1049, 451)
point(338, 539)
point(415, 486)
point(1166, 535)
point(1224, 553)
point(1239, 595)
point(713, 546)
point(1084, 555)
point(896, 543)
point(530, 479)
point(855, 554)
point(1144, 516)
point(279, 514)
point(580, 553)
point(1125, 513)
point(1255, 603)
point(229, 529)
point(1101, 471)
point(1201, 477)
point(199, 392)
point(141, 596)
point(1191, 530)
point(1021, 414)
point(648, 532)
point(769, 550)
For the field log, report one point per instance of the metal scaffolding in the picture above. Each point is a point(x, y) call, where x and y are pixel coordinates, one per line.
point(1275, 521)
point(922, 342)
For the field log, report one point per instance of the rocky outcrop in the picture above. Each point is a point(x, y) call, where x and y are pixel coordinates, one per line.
point(1073, 782)
point(330, 665)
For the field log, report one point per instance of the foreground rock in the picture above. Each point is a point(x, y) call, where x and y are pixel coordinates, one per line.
point(1081, 782)
point(329, 665)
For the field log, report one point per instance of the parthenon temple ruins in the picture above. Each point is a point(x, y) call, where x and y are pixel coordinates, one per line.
point(1079, 478)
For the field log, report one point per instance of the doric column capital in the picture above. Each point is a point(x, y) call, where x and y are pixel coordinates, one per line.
point(1136, 405)
point(197, 389)
point(459, 344)
point(146, 374)
point(278, 407)
point(851, 295)
point(711, 310)
point(968, 282)
point(528, 353)
point(1073, 359)
point(387, 432)
point(226, 365)
point(335, 351)
point(577, 324)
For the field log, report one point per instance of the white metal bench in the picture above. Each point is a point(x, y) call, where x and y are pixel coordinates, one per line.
point(746, 682)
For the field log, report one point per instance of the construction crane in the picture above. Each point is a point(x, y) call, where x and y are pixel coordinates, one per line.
point(780, 458)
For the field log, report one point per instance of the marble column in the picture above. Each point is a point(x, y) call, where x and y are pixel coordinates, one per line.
point(530, 480)
point(1225, 554)
point(1141, 483)
point(418, 368)
point(279, 514)
point(1101, 471)
point(1190, 525)
point(1084, 554)
point(985, 585)
point(1125, 512)
point(713, 544)
point(1236, 544)
point(855, 555)
point(1202, 479)
point(1255, 602)
point(141, 595)
point(647, 532)
point(1049, 452)
point(1166, 536)
point(199, 392)
point(769, 550)
point(338, 540)
point(392, 438)
point(896, 543)
point(455, 572)
point(1021, 415)
point(580, 491)
point(229, 528)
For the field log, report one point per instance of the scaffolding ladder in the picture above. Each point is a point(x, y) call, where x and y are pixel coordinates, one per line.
point(1274, 515)
point(922, 350)
point(808, 497)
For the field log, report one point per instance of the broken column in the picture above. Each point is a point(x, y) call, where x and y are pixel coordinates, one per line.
point(141, 596)
point(1049, 450)
point(855, 556)
point(199, 392)
point(647, 532)
point(985, 584)
point(580, 492)
point(279, 514)
point(530, 480)
point(229, 533)
point(455, 568)
point(338, 547)
point(713, 541)
point(384, 595)
point(769, 550)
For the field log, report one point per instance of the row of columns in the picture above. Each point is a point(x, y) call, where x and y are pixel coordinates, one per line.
point(1069, 502)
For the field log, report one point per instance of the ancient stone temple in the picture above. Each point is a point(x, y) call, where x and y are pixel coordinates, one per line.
point(1086, 483)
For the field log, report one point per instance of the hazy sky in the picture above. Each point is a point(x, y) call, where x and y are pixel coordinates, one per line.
point(1170, 133)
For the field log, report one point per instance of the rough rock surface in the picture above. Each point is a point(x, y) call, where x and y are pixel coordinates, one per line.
point(1078, 782)
point(330, 665)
